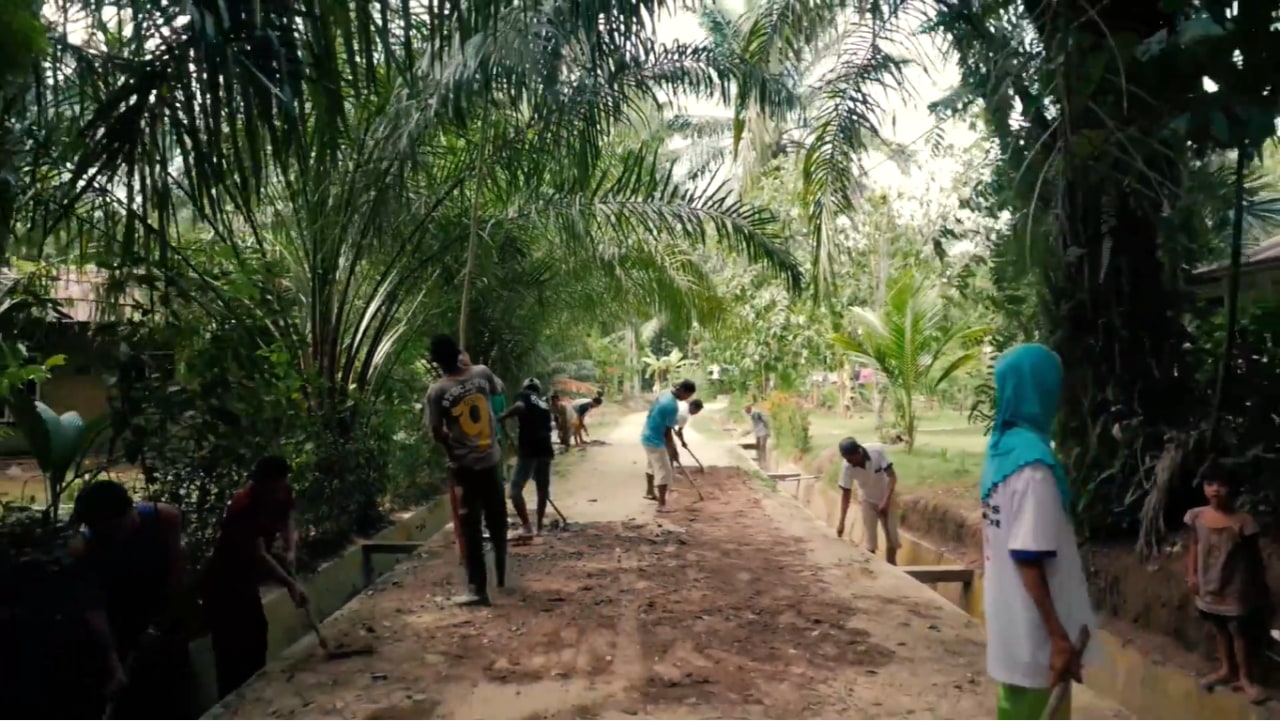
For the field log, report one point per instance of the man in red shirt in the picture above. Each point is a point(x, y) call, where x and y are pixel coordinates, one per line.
point(241, 562)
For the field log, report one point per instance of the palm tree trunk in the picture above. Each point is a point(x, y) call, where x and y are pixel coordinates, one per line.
point(633, 359)
point(474, 231)
point(12, 94)
point(1233, 293)
point(882, 283)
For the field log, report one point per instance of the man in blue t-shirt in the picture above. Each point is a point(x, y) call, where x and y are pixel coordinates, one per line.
point(659, 442)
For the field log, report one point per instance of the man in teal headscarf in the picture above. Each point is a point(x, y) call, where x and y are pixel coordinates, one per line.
point(1035, 594)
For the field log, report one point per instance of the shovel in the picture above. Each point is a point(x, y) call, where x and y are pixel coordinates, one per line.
point(564, 522)
point(695, 460)
point(1059, 694)
point(331, 653)
point(689, 478)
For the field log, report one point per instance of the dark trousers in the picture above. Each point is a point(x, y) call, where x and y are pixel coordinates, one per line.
point(537, 468)
point(238, 633)
point(482, 501)
point(159, 681)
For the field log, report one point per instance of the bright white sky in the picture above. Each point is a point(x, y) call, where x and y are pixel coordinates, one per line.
point(908, 120)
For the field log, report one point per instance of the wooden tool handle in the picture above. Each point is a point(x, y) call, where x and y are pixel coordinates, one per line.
point(1059, 694)
point(315, 626)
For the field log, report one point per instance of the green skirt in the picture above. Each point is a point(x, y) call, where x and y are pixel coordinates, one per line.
point(1017, 702)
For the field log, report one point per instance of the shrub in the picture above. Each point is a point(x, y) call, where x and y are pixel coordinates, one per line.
point(790, 421)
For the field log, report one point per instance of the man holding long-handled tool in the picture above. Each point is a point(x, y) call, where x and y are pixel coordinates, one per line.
point(242, 559)
point(132, 567)
point(687, 410)
point(534, 450)
point(461, 419)
point(659, 440)
point(871, 468)
point(1036, 596)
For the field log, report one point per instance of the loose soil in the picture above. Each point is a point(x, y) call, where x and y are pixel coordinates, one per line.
point(740, 606)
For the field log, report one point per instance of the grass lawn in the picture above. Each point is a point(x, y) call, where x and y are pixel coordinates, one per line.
point(947, 456)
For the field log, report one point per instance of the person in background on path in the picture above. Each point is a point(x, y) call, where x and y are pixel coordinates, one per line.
point(686, 411)
point(460, 417)
point(534, 450)
point(876, 479)
point(133, 569)
point(658, 440)
point(581, 408)
point(561, 413)
point(760, 430)
point(1226, 576)
point(1036, 597)
point(242, 560)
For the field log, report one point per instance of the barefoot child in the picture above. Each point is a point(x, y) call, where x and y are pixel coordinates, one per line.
point(1225, 574)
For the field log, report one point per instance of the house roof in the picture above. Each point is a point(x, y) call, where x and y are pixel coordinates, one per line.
point(80, 293)
point(1262, 258)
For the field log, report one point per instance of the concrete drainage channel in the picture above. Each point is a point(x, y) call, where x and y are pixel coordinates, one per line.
point(330, 588)
point(1119, 672)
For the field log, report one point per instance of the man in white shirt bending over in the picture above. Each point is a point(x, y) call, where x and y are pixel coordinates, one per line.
point(872, 470)
point(1035, 595)
point(687, 410)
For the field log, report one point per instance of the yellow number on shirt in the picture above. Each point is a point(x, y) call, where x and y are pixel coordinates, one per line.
point(477, 426)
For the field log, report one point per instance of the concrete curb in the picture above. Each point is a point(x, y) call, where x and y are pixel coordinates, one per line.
point(330, 588)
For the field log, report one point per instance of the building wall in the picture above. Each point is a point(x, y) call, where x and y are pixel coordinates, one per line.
point(1255, 287)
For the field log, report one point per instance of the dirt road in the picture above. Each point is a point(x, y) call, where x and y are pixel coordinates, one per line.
point(739, 606)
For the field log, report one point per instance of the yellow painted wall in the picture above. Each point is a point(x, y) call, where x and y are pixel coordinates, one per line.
point(68, 391)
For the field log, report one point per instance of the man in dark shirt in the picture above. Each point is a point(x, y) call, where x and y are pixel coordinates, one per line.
point(133, 567)
point(534, 450)
point(461, 419)
point(242, 560)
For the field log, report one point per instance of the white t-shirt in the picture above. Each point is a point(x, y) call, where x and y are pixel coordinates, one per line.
point(1024, 514)
point(682, 414)
point(873, 478)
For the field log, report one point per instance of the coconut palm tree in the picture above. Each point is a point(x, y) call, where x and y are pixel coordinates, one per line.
point(914, 341)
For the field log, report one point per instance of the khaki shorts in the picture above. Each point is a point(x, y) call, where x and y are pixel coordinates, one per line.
point(872, 521)
point(659, 465)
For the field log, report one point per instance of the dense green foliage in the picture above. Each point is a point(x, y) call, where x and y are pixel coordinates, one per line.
point(276, 204)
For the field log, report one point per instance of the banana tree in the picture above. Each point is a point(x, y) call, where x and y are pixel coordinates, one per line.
point(58, 442)
point(914, 341)
point(663, 368)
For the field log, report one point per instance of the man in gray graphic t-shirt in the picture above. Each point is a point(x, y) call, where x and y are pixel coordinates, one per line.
point(461, 405)
point(461, 419)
